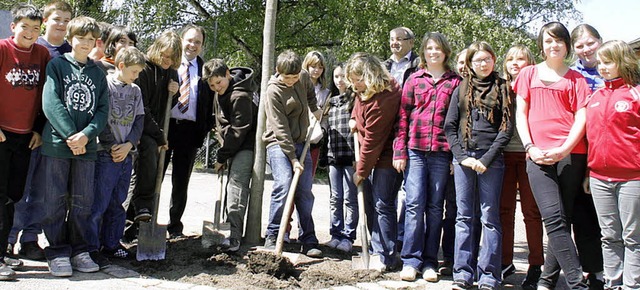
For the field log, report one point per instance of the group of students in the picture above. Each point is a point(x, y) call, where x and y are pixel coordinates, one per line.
point(495, 136)
point(98, 105)
point(472, 137)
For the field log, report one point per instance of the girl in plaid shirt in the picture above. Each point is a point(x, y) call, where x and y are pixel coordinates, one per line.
point(343, 202)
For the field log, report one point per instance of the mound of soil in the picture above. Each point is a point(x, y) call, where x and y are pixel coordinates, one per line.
point(186, 261)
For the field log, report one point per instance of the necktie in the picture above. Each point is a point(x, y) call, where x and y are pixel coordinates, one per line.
point(183, 100)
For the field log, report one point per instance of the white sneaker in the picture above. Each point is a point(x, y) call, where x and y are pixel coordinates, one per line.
point(430, 275)
point(333, 243)
point(345, 246)
point(408, 273)
point(82, 262)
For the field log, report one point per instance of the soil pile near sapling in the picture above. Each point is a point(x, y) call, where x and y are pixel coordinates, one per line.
point(186, 261)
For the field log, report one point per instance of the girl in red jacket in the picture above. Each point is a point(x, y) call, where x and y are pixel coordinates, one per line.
point(613, 132)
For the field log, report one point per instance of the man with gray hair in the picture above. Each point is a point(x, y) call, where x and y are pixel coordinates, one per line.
point(403, 62)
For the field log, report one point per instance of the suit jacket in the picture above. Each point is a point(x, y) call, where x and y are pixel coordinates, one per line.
point(204, 115)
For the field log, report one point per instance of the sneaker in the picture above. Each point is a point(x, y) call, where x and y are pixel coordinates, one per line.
point(231, 244)
point(143, 215)
point(60, 267)
point(430, 275)
point(82, 262)
point(460, 285)
point(408, 273)
point(312, 251)
point(594, 283)
point(345, 246)
point(508, 270)
point(6, 273)
point(13, 263)
point(99, 259)
point(333, 243)
point(270, 242)
point(446, 268)
point(31, 251)
point(533, 275)
point(486, 287)
point(176, 235)
point(118, 253)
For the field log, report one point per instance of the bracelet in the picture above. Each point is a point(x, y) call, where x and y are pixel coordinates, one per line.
point(528, 146)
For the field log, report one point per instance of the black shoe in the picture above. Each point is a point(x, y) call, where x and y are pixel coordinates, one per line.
point(533, 275)
point(312, 251)
point(118, 253)
point(176, 235)
point(13, 263)
point(31, 251)
point(270, 242)
point(233, 244)
point(99, 259)
point(594, 283)
point(446, 268)
point(508, 270)
point(460, 285)
point(6, 273)
point(143, 215)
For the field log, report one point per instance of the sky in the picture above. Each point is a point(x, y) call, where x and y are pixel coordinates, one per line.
point(614, 19)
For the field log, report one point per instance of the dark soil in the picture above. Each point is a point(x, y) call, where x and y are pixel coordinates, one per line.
point(186, 261)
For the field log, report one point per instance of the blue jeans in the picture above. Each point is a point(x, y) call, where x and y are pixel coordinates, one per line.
point(29, 210)
point(108, 216)
point(343, 203)
point(426, 177)
point(449, 221)
point(68, 199)
point(618, 207)
point(282, 176)
point(380, 206)
point(473, 189)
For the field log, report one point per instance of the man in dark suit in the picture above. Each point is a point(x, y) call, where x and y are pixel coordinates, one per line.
point(191, 120)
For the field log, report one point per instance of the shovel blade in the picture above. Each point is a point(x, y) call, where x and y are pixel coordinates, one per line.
point(361, 262)
point(152, 242)
point(211, 236)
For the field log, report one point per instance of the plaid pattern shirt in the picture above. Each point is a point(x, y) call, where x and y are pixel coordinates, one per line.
point(340, 137)
point(423, 109)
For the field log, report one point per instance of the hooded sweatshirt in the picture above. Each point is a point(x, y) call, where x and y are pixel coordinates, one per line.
point(75, 99)
point(613, 132)
point(238, 114)
point(287, 111)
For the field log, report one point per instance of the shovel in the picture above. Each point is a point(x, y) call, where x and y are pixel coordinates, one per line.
point(152, 237)
point(211, 235)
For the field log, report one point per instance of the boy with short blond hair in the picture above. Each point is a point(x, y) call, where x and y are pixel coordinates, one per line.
point(76, 104)
point(22, 63)
point(29, 210)
point(114, 165)
point(290, 98)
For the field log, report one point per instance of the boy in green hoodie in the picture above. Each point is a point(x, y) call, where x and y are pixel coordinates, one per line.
point(75, 102)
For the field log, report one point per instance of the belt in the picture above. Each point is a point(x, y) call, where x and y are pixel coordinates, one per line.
point(184, 121)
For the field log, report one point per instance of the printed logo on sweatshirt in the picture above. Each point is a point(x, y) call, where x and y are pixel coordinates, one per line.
point(622, 106)
point(24, 75)
point(80, 93)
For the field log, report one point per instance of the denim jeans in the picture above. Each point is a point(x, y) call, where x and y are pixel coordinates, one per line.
point(449, 221)
point(555, 188)
point(380, 206)
point(473, 189)
point(68, 200)
point(426, 177)
point(108, 216)
point(14, 164)
point(618, 207)
point(282, 176)
point(238, 190)
point(30, 209)
point(343, 203)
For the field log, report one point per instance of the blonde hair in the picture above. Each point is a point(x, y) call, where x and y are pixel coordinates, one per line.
point(315, 58)
point(374, 75)
point(167, 40)
point(624, 57)
point(513, 52)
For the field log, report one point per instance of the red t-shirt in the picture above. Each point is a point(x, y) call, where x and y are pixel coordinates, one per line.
point(22, 74)
point(552, 106)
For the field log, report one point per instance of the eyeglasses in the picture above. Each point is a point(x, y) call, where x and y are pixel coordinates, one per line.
point(399, 39)
point(478, 62)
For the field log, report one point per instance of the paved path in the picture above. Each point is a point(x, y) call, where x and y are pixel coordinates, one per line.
point(202, 194)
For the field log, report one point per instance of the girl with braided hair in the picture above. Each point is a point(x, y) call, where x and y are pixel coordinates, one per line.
point(479, 124)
